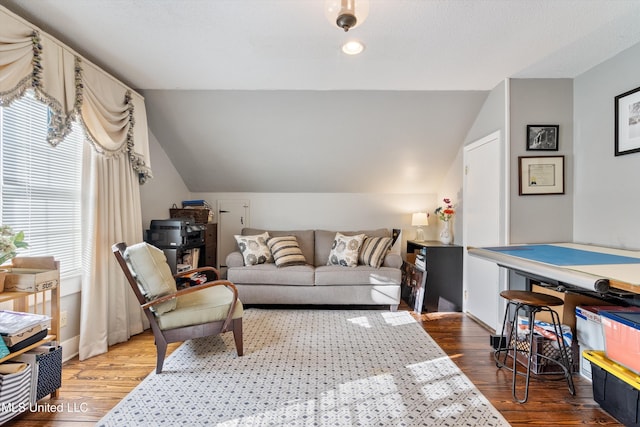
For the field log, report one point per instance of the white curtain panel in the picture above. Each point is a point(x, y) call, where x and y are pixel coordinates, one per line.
point(115, 164)
point(110, 213)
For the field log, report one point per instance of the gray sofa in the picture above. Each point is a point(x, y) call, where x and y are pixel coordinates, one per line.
point(316, 282)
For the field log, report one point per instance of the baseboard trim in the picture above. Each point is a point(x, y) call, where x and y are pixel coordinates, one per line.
point(70, 348)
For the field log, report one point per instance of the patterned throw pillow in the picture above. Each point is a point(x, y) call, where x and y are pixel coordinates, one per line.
point(345, 250)
point(254, 248)
point(373, 251)
point(285, 251)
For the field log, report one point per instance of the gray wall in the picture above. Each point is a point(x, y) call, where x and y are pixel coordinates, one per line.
point(607, 193)
point(492, 116)
point(541, 218)
point(166, 188)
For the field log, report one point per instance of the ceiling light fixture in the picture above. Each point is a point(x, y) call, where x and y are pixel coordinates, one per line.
point(353, 47)
point(345, 14)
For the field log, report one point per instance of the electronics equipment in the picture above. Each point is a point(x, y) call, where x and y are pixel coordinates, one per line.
point(175, 233)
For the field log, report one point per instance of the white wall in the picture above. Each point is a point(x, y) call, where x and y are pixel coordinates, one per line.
point(332, 211)
point(607, 194)
point(451, 188)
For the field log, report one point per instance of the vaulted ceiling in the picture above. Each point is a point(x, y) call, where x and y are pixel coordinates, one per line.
point(261, 85)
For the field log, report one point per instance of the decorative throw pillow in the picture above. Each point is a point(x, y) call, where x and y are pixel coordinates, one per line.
point(285, 251)
point(254, 248)
point(345, 250)
point(373, 251)
point(149, 266)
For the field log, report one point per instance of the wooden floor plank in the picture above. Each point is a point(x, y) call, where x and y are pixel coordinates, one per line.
point(93, 387)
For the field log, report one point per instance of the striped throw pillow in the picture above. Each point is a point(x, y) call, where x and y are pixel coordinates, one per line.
point(373, 251)
point(285, 251)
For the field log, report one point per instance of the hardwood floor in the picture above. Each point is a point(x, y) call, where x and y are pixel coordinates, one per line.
point(92, 387)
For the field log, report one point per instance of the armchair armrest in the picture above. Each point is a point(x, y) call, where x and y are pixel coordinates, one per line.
point(190, 290)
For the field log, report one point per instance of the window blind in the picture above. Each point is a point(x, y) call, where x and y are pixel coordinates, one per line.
point(41, 184)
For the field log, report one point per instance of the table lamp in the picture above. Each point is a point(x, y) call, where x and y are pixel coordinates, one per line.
point(420, 219)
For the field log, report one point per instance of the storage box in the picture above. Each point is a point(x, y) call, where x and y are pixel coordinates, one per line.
point(589, 331)
point(46, 365)
point(32, 274)
point(615, 388)
point(622, 338)
point(545, 347)
point(14, 392)
point(567, 311)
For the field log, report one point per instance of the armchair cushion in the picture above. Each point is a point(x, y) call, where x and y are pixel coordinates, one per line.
point(149, 266)
point(207, 305)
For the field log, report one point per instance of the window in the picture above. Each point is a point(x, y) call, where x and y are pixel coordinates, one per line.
point(40, 187)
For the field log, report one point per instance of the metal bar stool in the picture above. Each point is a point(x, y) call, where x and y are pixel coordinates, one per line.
point(531, 303)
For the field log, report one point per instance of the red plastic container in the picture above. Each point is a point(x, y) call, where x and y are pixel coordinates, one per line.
point(622, 338)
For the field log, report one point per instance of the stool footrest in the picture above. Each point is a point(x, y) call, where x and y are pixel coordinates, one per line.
point(532, 303)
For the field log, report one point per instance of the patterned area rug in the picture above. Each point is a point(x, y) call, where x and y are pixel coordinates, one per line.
point(310, 368)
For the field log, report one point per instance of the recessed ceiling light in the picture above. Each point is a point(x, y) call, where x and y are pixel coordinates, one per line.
point(353, 47)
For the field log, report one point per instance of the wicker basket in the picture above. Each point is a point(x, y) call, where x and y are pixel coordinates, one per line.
point(199, 216)
point(548, 348)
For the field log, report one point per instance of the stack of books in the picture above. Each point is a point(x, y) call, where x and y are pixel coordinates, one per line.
point(198, 204)
point(19, 330)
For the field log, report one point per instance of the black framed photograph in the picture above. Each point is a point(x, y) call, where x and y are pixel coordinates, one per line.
point(542, 137)
point(627, 122)
point(540, 175)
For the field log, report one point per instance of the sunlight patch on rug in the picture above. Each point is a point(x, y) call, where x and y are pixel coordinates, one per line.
point(310, 368)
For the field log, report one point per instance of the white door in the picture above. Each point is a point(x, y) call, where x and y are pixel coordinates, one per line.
point(484, 225)
point(233, 216)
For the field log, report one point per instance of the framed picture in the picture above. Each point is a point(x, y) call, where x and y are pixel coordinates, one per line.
point(542, 137)
point(627, 122)
point(541, 175)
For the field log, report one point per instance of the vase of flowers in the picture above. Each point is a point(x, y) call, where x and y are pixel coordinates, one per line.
point(10, 242)
point(446, 213)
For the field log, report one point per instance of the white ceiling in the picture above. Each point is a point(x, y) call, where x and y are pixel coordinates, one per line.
point(290, 44)
point(256, 96)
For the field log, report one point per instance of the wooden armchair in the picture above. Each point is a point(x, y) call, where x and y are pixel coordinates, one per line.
point(175, 315)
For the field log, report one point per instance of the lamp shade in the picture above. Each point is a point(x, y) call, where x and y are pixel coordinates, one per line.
point(419, 219)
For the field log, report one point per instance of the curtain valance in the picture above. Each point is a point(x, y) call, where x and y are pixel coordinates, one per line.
point(113, 116)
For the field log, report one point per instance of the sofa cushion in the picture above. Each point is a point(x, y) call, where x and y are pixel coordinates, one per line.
point(332, 275)
point(324, 241)
point(149, 266)
point(305, 239)
point(373, 251)
point(269, 274)
point(285, 251)
point(254, 248)
point(345, 250)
